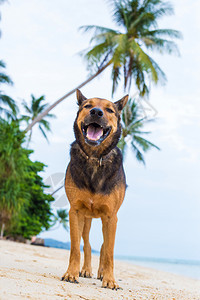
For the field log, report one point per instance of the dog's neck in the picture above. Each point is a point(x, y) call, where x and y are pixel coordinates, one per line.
point(96, 159)
point(91, 157)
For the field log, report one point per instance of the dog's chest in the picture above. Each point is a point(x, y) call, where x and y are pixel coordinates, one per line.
point(98, 176)
point(92, 176)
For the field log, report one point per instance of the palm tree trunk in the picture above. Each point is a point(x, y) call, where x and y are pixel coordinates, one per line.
point(44, 113)
point(2, 230)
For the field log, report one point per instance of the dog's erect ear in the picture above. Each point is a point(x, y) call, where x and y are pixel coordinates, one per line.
point(80, 97)
point(121, 103)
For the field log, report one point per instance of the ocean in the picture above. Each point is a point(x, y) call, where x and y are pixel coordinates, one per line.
point(188, 268)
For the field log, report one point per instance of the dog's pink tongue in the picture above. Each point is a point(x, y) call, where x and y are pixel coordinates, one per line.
point(94, 133)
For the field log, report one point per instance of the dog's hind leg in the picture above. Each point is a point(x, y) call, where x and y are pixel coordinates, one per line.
point(87, 268)
point(100, 270)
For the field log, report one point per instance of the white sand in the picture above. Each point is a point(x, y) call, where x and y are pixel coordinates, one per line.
point(31, 272)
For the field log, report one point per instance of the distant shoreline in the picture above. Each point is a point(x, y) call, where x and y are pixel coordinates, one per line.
point(188, 268)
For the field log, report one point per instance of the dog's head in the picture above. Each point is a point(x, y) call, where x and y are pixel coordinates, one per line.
point(97, 126)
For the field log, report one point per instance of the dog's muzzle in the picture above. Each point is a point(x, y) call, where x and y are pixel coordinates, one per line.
point(95, 133)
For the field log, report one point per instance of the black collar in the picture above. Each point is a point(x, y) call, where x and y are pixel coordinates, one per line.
point(99, 160)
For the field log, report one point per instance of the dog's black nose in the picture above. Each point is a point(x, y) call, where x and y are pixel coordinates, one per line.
point(96, 112)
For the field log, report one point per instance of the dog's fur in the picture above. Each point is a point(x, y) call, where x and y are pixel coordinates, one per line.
point(95, 185)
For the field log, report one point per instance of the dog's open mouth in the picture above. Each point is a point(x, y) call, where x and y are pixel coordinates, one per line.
point(94, 133)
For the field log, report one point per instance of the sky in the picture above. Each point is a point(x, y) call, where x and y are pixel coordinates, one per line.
point(160, 216)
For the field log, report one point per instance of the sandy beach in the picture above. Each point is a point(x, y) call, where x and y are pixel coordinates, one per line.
point(32, 272)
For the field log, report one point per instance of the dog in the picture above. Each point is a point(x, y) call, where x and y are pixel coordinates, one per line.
point(95, 184)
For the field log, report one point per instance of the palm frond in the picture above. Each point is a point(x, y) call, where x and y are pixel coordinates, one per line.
point(25, 105)
point(132, 123)
point(45, 124)
point(163, 32)
point(9, 102)
point(50, 116)
point(63, 214)
point(161, 45)
point(5, 79)
point(145, 59)
point(165, 9)
point(115, 78)
point(37, 106)
point(25, 118)
point(43, 132)
point(2, 64)
point(122, 146)
point(161, 75)
point(41, 108)
point(138, 153)
point(144, 144)
point(97, 29)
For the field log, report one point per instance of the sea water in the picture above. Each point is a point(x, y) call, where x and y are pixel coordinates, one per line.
point(186, 268)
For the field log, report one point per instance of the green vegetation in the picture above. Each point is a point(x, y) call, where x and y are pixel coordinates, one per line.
point(62, 218)
point(13, 160)
point(36, 108)
point(36, 215)
point(132, 123)
point(8, 108)
point(126, 50)
point(24, 208)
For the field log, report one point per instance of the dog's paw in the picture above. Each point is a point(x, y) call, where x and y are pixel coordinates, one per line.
point(100, 274)
point(110, 283)
point(86, 272)
point(70, 277)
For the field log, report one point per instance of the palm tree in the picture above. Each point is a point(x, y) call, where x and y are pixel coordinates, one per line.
point(132, 124)
point(33, 111)
point(6, 101)
point(62, 217)
point(126, 50)
point(13, 163)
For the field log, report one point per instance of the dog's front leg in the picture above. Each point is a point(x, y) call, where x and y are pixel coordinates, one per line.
point(76, 221)
point(87, 268)
point(109, 230)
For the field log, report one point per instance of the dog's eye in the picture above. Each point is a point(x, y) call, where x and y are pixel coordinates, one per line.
point(109, 110)
point(88, 106)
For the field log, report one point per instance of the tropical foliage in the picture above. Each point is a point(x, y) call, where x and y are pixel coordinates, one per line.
point(133, 121)
point(21, 188)
point(36, 214)
point(8, 107)
point(13, 162)
point(61, 218)
point(127, 49)
point(37, 107)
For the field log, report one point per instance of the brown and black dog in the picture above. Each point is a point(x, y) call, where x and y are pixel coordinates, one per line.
point(95, 184)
